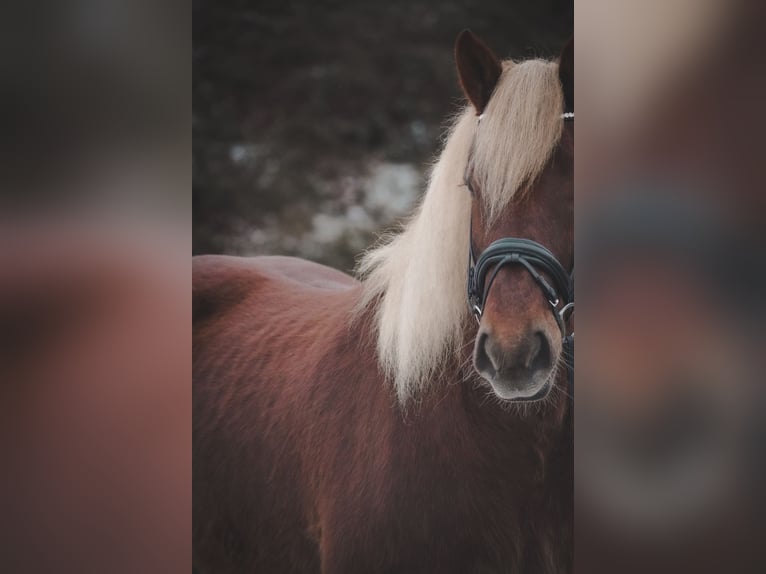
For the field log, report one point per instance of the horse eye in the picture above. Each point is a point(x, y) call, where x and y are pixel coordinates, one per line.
point(467, 183)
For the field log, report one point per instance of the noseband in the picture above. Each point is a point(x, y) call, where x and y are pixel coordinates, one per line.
point(539, 263)
point(534, 258)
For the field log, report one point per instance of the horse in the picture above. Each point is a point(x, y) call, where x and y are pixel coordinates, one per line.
point(399, 422)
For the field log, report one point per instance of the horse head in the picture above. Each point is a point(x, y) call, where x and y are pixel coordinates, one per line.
point(522, 218)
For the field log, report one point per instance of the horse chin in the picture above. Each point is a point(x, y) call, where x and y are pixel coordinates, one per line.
point(535, 389)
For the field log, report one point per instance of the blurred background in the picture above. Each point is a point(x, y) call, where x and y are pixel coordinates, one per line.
point(670, 402)
point(95, 305)
point(314, 123)
point(95, 108)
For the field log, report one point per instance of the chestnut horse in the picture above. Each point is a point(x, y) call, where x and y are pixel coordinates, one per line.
point(371, 426)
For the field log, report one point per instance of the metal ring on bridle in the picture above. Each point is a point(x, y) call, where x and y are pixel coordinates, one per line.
point(566, 309)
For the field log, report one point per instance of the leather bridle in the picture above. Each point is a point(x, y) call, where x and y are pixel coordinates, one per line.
point(556, 283)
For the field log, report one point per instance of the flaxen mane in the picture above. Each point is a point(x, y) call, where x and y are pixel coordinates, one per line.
point(416, 279)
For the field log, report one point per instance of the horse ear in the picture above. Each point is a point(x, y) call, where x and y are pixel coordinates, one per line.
point(478, 69)
point(566, 74)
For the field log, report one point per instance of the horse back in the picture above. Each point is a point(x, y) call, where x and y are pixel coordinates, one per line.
point(219, 281)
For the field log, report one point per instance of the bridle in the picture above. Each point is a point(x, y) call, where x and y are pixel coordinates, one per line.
point(534, 257)
point(558, 287)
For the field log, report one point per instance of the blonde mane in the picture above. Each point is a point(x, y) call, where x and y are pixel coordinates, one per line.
point(416, 279)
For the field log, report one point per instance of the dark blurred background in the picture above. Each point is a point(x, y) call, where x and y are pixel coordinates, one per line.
point(95, 305)
point(314, 122)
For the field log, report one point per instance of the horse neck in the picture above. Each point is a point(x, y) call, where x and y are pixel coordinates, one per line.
point(540, 432)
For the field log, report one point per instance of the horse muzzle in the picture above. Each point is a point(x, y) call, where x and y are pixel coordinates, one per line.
point(519, 372)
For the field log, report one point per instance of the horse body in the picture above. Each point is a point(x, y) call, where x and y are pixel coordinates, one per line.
point(304, 461)
point(345, 426)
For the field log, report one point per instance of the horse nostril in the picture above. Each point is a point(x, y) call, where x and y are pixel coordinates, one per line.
point(541, 358)
point(532, 355)
point(482, 360)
